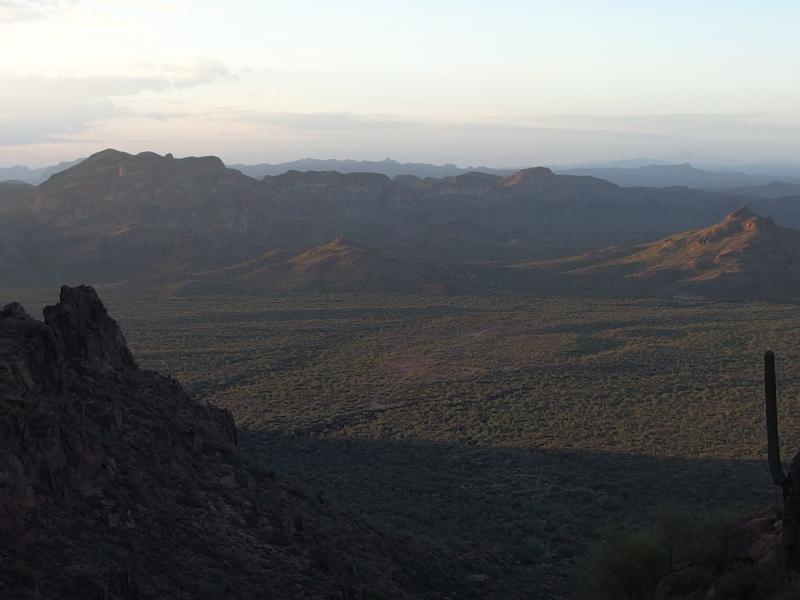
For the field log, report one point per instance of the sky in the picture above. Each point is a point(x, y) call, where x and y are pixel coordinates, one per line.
point(503, 83)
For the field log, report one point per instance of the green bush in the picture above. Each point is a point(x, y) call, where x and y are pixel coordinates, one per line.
point(669, 561)
point(630, 566)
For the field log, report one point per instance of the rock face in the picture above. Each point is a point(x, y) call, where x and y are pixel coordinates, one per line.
point(115, 484)
point(77, 332)
point(81, 324)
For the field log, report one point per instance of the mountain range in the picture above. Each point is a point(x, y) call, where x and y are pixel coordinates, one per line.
point(195, 222)
point(689, 176)
point(33, 176)
point(388, 167)
point(760, 181)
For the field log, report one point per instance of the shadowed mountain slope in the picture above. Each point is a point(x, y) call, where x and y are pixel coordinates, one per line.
point(346, 265)
point(114, 484)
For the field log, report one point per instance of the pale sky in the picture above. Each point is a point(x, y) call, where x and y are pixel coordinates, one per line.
point(500, 83)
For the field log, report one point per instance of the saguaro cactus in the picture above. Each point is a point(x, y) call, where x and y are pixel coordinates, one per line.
point(790, 484)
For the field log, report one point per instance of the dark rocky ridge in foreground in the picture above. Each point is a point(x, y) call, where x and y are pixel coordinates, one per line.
point(115, 484)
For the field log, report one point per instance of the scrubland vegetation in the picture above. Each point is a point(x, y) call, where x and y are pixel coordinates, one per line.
point(514, 434)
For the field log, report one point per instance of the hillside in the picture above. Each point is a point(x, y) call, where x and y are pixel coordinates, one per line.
point(120, 215)
point(344, 265)
point(117, 485)
point(745, 256)
point(17, 229)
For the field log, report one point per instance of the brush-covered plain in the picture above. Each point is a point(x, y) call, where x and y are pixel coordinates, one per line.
point(510, 433)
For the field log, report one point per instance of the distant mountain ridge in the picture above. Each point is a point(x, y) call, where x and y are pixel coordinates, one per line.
point(626, 173)
point(678, 175)
point(34, 176)
point(776, 189)
point(388, 167)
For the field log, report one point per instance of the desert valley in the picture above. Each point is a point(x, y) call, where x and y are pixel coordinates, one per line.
point(399, 300)
point(453, 387)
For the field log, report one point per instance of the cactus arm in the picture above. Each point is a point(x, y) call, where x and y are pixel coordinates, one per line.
point(771, 396)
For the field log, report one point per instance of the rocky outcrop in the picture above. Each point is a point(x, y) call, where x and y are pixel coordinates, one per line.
point(116, 485)
point(79, 422)
point(44, 366)
point(77, 332)
point(31, 357)
point(13, 310)
point(89, 338)
point(745, 256)
point(756, 538)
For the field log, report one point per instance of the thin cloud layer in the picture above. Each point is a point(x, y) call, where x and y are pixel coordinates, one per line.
point(241, 136)
point(36, 109)
point(24, 10)
point(503, 83)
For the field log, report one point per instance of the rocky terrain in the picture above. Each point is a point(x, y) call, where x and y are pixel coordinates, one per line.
point(743, 257)
point(115, 484)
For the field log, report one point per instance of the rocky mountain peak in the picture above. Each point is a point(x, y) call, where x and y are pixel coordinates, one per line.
point(740, 214)
point(344, 242)
point(116, 485)
point(81, 323)
point(13, 311)
point(531, 175)
point(111, 167)
point(77, 333)
point(745, 219)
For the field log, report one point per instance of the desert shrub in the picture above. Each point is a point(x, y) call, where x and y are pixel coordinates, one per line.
point(630, 566)
point(531, 550)
point(673, 558)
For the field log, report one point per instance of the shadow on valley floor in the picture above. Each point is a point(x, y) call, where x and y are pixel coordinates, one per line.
point(506, 522)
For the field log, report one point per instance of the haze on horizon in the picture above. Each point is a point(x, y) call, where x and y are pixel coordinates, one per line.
point(503, 84)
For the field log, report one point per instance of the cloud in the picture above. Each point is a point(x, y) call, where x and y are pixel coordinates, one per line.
point(320, 121)
point(35, 109)
point(12, 11)
point(185, 75)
